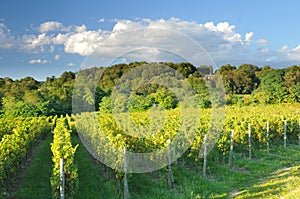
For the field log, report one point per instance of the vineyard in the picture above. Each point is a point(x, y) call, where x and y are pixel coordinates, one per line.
point(265, 140)
point(267, 126)
point(17, 143)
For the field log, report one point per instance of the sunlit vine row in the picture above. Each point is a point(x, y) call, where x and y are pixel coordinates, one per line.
point(117, 136)
point(16, 146)
point(61, 147)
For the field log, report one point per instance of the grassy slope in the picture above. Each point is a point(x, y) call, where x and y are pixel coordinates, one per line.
point(266, 176)
point(281, 182)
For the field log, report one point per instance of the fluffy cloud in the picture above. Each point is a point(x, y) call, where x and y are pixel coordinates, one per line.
point(38, 61)
point(57, 57)
point(128, 35)
point(6, 39)
point(293, 54)
point(60, 38)
point(50, 26)
point(262, 42)
point(33, 43)
point(248, 36)
point(153, 40)
point(83, 43)
point(71, 64)
point(101, 20)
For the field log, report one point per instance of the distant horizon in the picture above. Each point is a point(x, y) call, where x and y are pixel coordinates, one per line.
point(59, 75)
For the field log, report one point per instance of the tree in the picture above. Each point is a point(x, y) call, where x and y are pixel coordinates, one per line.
point(272, 84)
point(295, 93)
point(227, 73)
point(292, 76)
point(13, 108)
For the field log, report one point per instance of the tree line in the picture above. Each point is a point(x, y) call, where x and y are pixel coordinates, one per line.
point(244, 85)
point(264, 85)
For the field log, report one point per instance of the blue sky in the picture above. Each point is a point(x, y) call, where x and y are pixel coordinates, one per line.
point(45, 38)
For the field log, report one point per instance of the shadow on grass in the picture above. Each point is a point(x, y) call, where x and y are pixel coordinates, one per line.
point(36, 183)
point(95, 180)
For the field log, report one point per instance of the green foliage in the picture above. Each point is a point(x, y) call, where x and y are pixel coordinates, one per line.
point(241, 80)
point(15, 147)
point(140, 103)
point(14, 109)
point(165, 98)
point(272, 84)
point(237, 118)
point(105, 105)
point(61, 147)
point(28, 97)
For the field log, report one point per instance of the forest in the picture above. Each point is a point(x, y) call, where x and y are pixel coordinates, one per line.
point(246, 84)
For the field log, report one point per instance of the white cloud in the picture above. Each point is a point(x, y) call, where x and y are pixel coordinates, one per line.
point(50, 26)
point(60, 38)
point(283, 48)
point(32, 43)
point(57, 26)
point(249, 36)
point(81, 28)
point(83, 43)
point(38, 61)
point(293, 54)
point(221, 40)
point(57, 57)
point(128, 35)
point(71, 64)
point(101, 20)
point(262, 42)
point(6, 39)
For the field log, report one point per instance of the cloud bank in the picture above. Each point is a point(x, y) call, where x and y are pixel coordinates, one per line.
point(222, 42)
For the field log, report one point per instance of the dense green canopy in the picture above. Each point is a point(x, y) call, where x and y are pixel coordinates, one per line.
point(244, 84)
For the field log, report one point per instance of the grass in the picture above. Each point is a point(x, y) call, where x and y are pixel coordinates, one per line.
point(267, 175)
point(36, 183)
point(280, 184)
point(283, 181)
point(95, 180)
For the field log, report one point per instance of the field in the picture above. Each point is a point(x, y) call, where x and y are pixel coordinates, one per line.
point(265, 174)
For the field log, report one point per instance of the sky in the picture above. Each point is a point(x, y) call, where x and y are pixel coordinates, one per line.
point(46, 38)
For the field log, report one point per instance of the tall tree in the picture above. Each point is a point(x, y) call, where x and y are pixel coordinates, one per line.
point(272, 84)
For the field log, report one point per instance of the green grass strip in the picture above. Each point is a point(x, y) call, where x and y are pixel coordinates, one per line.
point(95, 181)
point(36, 183)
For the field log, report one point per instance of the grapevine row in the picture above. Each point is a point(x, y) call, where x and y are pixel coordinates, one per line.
point(109, 136)
point(16, 146)
point(61, 147)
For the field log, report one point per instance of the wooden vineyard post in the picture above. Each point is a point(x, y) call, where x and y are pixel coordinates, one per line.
point(170, 174)
point(231, 148)
point(284, 136)
point(62, 179)
point(249, 140)
point(126, 191)
point(299, 133)
point(205, 156)
point(268, 144)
